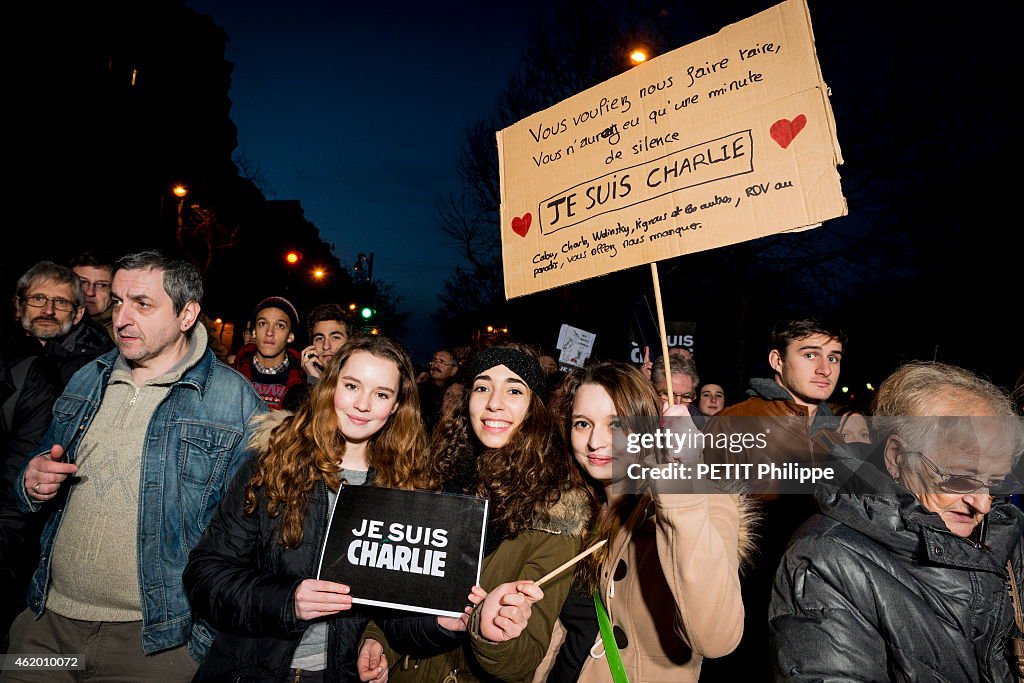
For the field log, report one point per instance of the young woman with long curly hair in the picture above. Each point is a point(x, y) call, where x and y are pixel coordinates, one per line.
point(249, 576)
point(499, 442)
point(668, 574)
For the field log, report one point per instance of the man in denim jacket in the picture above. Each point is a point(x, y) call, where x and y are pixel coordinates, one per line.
point(141, 445)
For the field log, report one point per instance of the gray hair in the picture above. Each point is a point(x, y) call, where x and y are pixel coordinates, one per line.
point(48, 270)
point(678, 366)
point(909, 394)
point(182, 281)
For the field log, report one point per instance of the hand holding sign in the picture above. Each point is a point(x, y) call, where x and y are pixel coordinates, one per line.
point(315, 599)
point(476, 596)
point(506, 610)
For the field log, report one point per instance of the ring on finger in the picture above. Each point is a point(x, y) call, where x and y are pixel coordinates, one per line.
point(35, 487)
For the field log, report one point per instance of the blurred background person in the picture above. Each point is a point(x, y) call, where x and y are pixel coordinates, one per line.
point(711, 399)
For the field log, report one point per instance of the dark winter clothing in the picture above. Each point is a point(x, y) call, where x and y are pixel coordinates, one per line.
point(876, 588)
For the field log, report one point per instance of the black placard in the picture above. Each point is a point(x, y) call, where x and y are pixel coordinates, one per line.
point(410, 550)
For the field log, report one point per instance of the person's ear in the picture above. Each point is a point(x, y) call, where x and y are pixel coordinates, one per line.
point(189, 315)
point(894, 448)
point(775, 360)
point(394, 408)
point(291, 337)
point(79, 313)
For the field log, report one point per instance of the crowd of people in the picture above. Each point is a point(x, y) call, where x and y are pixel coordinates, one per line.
point(165, 502)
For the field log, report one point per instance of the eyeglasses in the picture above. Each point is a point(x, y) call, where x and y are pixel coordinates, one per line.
point(99, 285)
point(679, 398)
point(441, 361)
point(957, 483)
point(39, 301)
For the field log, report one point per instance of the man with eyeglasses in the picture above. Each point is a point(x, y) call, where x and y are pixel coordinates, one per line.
point(96, 271)
point(905, 573)
point(684, 381)
point(50, 304)
point(142, 443)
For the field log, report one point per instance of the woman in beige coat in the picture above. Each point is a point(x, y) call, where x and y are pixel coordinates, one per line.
point(669, 576)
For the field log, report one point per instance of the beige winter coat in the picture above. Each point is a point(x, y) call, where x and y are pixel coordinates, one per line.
point(672, 589)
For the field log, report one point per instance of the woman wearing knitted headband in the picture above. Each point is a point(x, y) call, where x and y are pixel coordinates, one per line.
point(499, 442)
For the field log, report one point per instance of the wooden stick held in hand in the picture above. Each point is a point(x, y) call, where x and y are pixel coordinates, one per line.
point(552, 574)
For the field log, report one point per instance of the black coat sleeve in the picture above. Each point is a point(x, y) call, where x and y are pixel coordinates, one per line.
point(224, 580)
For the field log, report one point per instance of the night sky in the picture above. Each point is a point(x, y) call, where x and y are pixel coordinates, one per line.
point(358, 111)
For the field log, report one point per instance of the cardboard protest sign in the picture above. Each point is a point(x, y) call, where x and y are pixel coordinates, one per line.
point(724, 140)
point(575, 345)
point(410, 550)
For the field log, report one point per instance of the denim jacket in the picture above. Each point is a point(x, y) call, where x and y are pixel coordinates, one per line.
point(196, 440)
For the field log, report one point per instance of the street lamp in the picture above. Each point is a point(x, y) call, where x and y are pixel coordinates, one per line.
point(638, 56)
point(180, 191)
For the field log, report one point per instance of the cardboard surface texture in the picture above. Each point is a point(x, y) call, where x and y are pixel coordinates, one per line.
point(722, 141)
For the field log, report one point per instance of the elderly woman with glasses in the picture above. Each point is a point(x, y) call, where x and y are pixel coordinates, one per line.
point(906, 573)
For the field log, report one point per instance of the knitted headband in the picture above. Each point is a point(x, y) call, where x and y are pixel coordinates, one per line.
point(522, 364)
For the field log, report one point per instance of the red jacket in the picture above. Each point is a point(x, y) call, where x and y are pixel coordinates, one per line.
point(273, 394)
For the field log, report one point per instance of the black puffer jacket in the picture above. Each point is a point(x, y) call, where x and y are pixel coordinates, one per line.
point(242, 581)
point(877, 589)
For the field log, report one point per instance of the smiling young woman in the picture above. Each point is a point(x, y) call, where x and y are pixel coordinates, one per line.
point(499, 442)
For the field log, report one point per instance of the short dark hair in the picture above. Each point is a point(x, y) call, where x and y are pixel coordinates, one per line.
point(94, 258)
point(48, 270)
point(786, 331)
point(324, 312)
point(182, 280)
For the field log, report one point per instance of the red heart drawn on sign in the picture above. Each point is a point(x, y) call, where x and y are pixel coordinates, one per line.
point(783, 131)
point(521, 226)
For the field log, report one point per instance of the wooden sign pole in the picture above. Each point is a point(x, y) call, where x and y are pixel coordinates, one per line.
point(664, 338)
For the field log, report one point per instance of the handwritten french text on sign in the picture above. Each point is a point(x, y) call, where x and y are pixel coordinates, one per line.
point(725, 140)
point(410, 550)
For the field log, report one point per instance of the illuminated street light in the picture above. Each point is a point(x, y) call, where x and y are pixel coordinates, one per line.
point(319, 273)
point(180, 191)
point(292, 257)
point(638, 56)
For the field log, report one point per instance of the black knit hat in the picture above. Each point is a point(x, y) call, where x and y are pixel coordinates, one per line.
point(281, 303)
point(523, 364)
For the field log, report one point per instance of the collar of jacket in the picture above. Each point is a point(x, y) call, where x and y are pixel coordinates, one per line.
point(897, 520)
point(770, 390)
point(570, 515)
point(199, 376)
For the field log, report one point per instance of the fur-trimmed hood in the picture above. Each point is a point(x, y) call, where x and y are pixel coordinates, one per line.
point(570, 515)
point(263, 425)
point(749, 519)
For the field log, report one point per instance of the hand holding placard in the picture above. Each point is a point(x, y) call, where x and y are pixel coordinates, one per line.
point(476, 596)
point(315, 599)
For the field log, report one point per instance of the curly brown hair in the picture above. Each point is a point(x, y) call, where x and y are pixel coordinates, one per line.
point(525, 475)
point(632, 395)
point(308, 447)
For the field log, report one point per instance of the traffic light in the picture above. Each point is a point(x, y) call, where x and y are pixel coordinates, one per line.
point(366, 312)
